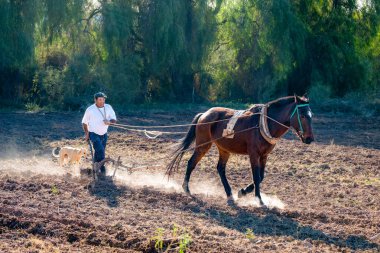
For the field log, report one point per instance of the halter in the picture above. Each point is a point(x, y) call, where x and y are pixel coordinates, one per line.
point(298, 115)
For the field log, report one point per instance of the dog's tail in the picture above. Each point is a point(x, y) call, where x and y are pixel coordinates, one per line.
point(55, 152)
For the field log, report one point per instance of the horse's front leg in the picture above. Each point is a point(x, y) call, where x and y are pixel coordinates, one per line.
point(251, 187)
point(255, 166)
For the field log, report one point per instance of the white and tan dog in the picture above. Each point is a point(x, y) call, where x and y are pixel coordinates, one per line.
point(69, 155)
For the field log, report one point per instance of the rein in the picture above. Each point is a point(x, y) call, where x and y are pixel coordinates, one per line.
point(155, 134)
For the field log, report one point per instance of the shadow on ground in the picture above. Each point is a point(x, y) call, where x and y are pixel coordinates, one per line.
point(107, 189)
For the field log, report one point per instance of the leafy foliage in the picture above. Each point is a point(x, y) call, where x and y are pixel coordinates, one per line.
point(58, 53)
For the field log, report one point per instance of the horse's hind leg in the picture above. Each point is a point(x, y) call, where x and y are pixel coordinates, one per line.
point(192, 163)
point(244, 191)
point(223, 158)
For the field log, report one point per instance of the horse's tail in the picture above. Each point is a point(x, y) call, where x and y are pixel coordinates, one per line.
point(182, 146)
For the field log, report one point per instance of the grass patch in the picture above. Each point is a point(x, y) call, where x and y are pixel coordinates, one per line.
point(372, 181)
point(32, 107)
point(177, 240)
point(365, 103)
point(249, 234)
point(54, 190)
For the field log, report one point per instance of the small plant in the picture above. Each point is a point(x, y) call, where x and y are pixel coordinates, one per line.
point(184, 242)
point(180, 240)
point(372, 181)
point(54, 190)
point(249, 234)
point(175, 230)
point(159, 239)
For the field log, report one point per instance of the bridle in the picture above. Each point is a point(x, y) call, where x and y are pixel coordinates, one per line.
point(263, 125)
point(296, 110)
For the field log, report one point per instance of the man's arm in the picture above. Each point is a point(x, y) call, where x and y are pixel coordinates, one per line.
point(112, 116)
point(85, 125)
point(85, 129)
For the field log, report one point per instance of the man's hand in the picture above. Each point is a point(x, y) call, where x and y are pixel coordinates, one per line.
point(109, 122)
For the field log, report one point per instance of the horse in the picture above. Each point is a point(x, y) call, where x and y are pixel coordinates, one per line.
point(255, 133)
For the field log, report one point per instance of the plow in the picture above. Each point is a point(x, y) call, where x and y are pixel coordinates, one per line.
point(117, 164)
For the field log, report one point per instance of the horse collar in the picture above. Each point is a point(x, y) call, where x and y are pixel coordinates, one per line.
point(264, 129)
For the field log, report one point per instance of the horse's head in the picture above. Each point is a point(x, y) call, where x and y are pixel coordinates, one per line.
point(300, 119)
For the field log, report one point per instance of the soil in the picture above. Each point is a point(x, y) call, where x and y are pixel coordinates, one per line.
point(322, 197)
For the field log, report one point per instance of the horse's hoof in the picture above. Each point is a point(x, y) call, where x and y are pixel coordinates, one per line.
point(261, 203)
point(230, 201)
point(241, 193)
point(186, 191)
point(91, 186)
point(185, 186)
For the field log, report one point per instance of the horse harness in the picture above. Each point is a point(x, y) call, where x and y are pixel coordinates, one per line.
point(228, 132)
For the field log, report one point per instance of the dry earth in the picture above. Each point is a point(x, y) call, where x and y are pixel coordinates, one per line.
point(322, 197)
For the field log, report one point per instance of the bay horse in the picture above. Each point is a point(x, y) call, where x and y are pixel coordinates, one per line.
point(256, 132)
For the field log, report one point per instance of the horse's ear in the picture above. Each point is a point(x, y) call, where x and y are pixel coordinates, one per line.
point(306, 97)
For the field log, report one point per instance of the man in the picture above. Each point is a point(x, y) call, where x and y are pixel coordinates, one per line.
point(95, 123)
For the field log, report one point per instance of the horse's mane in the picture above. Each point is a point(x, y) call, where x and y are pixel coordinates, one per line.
point(277, 102)
point(283, 101)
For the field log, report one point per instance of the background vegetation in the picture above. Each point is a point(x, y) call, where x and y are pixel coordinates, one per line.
point(58, 53)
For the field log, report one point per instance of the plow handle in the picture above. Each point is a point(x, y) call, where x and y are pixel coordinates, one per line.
point(93, 161)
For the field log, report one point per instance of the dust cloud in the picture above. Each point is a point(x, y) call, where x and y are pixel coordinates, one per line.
point(46, 165)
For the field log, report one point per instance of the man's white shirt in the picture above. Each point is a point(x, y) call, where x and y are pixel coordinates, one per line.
point(94, 118)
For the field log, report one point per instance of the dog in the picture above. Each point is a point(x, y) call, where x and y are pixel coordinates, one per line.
point(69, 155)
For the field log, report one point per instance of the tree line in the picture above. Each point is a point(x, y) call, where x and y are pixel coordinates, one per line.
point(58, 53)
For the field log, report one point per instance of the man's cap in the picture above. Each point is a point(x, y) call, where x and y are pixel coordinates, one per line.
point(99, 95)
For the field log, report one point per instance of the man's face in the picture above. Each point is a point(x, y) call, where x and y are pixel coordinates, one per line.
point(100, 101)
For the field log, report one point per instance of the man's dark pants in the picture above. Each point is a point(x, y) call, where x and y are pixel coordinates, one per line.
point(99, 143)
